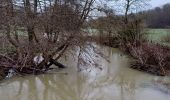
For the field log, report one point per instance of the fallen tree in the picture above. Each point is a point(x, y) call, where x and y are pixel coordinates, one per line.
point(49, 28)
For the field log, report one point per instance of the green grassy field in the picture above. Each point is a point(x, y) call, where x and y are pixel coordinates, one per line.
point(158, 35)
point(21, 32)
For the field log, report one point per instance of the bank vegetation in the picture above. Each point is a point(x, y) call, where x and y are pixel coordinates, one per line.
point(35, 34)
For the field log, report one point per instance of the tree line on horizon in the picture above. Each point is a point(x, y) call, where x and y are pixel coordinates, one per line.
point(158, 17)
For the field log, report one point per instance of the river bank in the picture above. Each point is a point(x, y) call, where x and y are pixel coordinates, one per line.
point(150, 57)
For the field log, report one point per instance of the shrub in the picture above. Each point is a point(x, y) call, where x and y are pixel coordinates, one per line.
point(153, 58)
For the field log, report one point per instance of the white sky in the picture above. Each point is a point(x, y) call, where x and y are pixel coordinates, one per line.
point(158, 3)
point(151, 4)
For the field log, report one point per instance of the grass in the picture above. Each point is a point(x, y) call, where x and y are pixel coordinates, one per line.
point(158, 35)
point(20, 32)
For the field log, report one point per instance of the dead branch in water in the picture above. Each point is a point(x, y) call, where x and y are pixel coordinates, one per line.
point(50, 32)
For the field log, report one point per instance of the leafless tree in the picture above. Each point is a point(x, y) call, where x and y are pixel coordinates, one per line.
point(27, 21)
point(131, 6)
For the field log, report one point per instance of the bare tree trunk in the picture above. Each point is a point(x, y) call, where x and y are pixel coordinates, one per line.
point(30, 20)
point(30, 30)
point(126, 11)
point(35, 6)
point(10, 38)
point(9, 16)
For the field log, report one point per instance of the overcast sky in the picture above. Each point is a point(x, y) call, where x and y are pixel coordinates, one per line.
point(119, 10)
point(158, 3)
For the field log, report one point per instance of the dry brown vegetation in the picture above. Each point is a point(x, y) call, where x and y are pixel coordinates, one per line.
point(50, 28)
point(130, 37)
point(151, 58)
point(35, 27)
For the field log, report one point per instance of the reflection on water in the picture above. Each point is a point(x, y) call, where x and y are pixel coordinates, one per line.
point(114, 82)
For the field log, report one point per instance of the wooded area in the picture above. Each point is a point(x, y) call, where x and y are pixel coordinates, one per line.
point(158, 17)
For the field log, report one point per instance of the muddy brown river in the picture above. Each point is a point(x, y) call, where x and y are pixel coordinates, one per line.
point(116, 81)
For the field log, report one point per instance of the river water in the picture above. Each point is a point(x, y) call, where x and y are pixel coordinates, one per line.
point(113, 81)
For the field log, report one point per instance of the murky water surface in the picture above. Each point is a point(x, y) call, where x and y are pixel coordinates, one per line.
point(114, 82)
